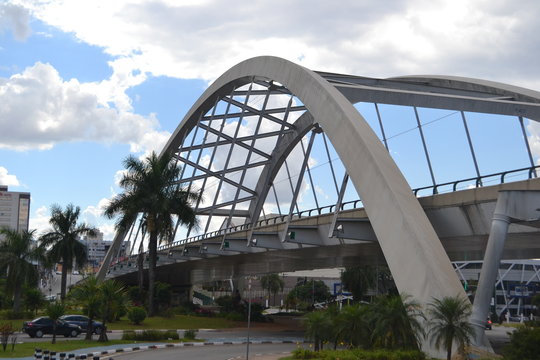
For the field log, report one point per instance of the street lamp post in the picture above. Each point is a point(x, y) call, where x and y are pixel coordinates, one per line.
point(249, 317)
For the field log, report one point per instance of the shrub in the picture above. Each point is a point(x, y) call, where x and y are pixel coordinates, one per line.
point(11, 315)
point(167, 313)
point(524, 344)
point(137, 315)
point(150, 335)
point(359, 354)
point(190, 334)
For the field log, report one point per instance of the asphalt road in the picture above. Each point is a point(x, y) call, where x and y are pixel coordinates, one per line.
point(210, 352)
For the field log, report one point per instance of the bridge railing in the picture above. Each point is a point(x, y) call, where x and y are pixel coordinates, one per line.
point(531, 172)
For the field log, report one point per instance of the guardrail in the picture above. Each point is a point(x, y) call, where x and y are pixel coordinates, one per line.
point(479, 181)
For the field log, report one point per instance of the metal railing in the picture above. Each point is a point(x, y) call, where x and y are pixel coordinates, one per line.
point(349, 205)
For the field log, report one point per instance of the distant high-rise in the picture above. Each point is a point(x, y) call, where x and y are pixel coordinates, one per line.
point(14, 209)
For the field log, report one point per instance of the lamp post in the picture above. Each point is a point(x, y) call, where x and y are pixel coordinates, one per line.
point(249, 317)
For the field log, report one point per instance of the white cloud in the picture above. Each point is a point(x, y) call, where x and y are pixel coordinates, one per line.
point(7, 179)
point(14, 18)
point(48, 110)
point(191, 39)
point(40, 221)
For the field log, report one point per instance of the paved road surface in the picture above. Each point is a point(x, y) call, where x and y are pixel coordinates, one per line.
point(212, 352)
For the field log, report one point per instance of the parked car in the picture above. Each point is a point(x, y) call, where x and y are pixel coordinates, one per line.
point(82, 321)
point(44, 325)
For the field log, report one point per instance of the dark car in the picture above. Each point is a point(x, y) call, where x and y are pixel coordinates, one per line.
point(82, 321)
point(44, 325)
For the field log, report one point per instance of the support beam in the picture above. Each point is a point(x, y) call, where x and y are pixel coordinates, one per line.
point(512, 206)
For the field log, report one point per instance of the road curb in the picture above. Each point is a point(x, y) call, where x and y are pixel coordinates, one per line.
point(92, 355)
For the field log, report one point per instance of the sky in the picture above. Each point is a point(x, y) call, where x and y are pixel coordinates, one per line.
point(84, 84)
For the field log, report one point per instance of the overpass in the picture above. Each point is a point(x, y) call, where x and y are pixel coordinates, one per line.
point(255, 143)
point(461, 219)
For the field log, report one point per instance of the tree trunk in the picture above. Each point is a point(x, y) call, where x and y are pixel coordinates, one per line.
point(54, 333)
point(152, 254)
point(17, 298)
point(89, 329)
point(63, 284)
point(449, 353)
point(103, 335)
point(140, 272)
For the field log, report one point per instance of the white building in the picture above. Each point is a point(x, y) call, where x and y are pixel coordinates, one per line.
point(14, 209)
point(97, 248)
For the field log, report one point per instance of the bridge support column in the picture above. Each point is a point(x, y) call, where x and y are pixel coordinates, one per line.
point(488, 275)
point(513, 206)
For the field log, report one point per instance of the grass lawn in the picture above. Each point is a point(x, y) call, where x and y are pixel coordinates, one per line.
point(27, 349)
point(176, 322)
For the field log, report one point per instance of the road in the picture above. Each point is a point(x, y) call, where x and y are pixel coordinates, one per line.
point(211, 352)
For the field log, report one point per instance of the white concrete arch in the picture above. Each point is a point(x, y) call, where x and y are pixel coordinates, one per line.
point(410, 245)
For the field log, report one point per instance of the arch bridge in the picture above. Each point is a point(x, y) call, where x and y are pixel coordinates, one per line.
point(270, 139)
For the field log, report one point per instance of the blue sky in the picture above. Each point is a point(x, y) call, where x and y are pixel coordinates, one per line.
point(83, 84)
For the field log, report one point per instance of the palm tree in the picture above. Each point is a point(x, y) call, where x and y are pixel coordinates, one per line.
point(353, 326)
point(273, 283)
point(397, 322)
point(358, 280)
point(449, 323)
point(63, 242)
point(151, 187)
point(18, 252)
point(317, 328)
point(87, 295)
point(54, 311)
point(112, 296)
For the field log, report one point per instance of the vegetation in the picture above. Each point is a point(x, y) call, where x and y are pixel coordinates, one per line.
point(87, 295)
point(6, 332)
point(273, 283)
point(391, 322)
point(151, 188)
point(27, 349)
point(524, 343)
point(150, 335)
point(136, 315)
point(359, 279)
point(449, 323)
point(306, 293)
point(54, 311)
point(17, 252)
point(112, 295)
point(359, 354)
point(62, 240)
point(33, 300)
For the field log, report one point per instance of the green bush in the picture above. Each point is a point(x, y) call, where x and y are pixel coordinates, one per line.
point(11, 315)
point(150, 335)
point(524, 344)
point(136, 315)
point(190, 334)
point(359, 354)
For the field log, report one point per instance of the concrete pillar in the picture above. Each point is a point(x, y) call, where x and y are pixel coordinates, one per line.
point(488, 275)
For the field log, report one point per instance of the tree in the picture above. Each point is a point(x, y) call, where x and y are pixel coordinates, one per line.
point(54, 311)
point(396, 320)
point(112, 296)
point(353, 326)
point(273, 283)
point(309, 292)
point(317, 328)
point(87, 294)
point(33, 299)
point(358, 280)
point(62, 241)
point(449, 323)
point(18, 251)
point(151, 187)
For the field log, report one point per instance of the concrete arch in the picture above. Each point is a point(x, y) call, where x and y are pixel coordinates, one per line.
point(412, 249)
